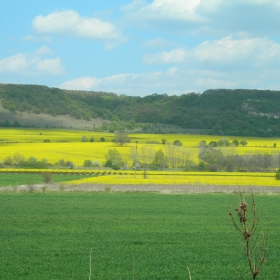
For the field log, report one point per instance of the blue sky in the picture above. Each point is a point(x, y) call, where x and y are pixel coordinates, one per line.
point(138, 47)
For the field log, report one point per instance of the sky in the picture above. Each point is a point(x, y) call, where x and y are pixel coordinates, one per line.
point(138, 47)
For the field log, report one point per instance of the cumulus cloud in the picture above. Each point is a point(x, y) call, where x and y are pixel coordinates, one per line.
point(131, 84)
point(181, 9)
point(174, 56)
point(32, 38)
point(207, 16)
point(44, 50)
point(70, 23)
point(226, 63)
point(227, 52)
point(32, 63)
point(82, 83)
point(157, 43)
point(50, 66)
point(15, 63)
point(178, 80)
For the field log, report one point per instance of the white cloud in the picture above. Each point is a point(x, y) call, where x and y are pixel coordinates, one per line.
point(15, 63)
point(82, 83)
point(44, 50)
point(70, 23)
point(179, 9)
point(178, 80)
point(32, 38)
point(212, 17)
point(227, 52)
point(50, 66)
point(32, 63)
point(157, 43)
point(173, 56)
point(126, 83)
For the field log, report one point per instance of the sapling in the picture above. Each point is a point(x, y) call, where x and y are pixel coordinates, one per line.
point(255, 248)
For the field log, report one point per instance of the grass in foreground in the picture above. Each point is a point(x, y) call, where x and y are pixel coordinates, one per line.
point(49, 236)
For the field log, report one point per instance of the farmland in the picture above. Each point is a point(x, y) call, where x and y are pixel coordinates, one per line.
point(49, 236)
point(132, 234)
point(67, 145)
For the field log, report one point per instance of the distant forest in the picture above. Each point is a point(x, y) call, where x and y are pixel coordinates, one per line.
point(220, 111)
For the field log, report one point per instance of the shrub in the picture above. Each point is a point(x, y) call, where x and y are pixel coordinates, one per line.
point(96, 164)
point(177, 143)
point(87, 163)
point(277, 176)
point(47, 178)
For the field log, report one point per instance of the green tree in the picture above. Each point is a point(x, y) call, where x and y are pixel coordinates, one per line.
point(277, 176)
point(159, 159)
point(18, 158)
point(213, 144)
point(243, 142)
point(202, 144)
point(87, 163)
point(211, 156)
point(235, 142)
point(177, 143)
point(223, 142)
point(114, 159)
point(8, 160)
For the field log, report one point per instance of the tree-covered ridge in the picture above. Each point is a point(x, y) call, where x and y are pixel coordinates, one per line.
point(228, 112)
point(41, 99)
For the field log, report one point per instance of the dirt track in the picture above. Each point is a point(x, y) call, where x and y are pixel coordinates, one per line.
point(165, 189)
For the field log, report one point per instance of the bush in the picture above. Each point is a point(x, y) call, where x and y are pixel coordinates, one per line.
point(177, 143)
point(47, 178)
point(87, 163)
point(277, 176)
point(96, 164)
point(33, 163)
point(8, 160)
point(213, 167)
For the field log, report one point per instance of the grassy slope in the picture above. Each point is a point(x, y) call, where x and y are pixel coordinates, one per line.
point(49, 236)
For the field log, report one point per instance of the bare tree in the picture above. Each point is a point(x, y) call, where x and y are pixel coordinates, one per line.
point(245, 222)
point(146, 154)
point(121, 138)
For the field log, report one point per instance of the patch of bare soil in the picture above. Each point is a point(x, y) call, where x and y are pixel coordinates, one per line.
point(163, 189)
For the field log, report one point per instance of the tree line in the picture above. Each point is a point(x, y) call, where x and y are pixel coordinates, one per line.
point(223, 112)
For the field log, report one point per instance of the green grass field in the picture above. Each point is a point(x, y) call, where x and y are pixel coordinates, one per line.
point(49, 236)
point(29, 179)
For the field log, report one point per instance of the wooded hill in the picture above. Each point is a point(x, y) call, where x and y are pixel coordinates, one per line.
point(225, 112)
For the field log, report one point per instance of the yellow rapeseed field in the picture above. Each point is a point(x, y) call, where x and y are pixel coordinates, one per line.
point(67, 145)
point(223, 178)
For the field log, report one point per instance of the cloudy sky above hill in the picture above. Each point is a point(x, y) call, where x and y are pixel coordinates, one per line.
point(138, 47)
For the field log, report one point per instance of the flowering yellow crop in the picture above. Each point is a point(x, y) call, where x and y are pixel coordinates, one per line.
point(251, 179)
point(67, 145)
